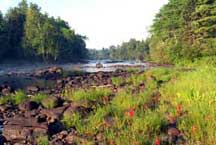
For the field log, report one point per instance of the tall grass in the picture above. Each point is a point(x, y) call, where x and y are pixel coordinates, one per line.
point(196, 92)
point(16, 98)
point(92, 94)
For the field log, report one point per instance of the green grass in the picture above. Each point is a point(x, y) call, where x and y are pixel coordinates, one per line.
point(141, 128)
point(72, 119)
point(136, 80)
point(95, 120)
point(196, 93)
point(16, 98)
point(42, 140)
point(39, 97)
point(92, 94)
point(117, 81)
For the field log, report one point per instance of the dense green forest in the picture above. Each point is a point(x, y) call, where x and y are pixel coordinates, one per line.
point(184, 30)
point(28, 34)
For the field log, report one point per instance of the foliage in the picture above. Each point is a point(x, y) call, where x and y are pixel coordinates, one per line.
point(183, 30)
point(27, 33)
point(132, 50)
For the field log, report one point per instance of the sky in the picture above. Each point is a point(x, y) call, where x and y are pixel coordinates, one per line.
point(104, 22)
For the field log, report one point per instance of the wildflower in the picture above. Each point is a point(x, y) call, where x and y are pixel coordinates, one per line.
point(157, 141)
point(130, 113)
point(194, 129)
point(178, 109)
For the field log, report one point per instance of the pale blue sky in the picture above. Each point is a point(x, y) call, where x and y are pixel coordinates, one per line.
point(104, 22)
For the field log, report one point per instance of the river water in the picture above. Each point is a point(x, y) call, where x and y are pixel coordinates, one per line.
point(86, 67)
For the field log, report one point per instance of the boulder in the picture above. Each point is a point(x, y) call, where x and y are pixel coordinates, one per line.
point(22, 128)
point(2, 140)
point(99, 65)
point(6, 90)
point(53, 114)
point(28, 106)
point(55, 127)
point(173, 132)
point(74, 139)
point(32, 89)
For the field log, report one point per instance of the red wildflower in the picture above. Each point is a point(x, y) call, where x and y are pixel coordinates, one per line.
point(130, 113)
point(157, 141)
point(178, 109)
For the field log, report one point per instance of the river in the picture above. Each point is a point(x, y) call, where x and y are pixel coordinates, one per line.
point(86, 67)
point(17, 76)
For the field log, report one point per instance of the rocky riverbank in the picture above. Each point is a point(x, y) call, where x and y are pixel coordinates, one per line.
point(24, 122)
point(49, 115)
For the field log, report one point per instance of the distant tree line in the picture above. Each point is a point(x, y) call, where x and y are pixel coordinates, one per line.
point(28, 34)
point(184, 30)
point(132, 50)
point(95, 54)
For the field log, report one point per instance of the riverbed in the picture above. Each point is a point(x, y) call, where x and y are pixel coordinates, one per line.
point(90, 66)
point(18, 76)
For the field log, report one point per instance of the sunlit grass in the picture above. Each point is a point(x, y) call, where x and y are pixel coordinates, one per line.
point(136, 80)
point(42, 140)
point(188, 95)
point(39, 97)
point(16, 98)
point(195, 92)
point(92, 94)
point(72, 119)
point(117, 81)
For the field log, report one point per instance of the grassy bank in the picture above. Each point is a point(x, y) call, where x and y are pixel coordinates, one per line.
point(139, 109)
point(140, 113)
